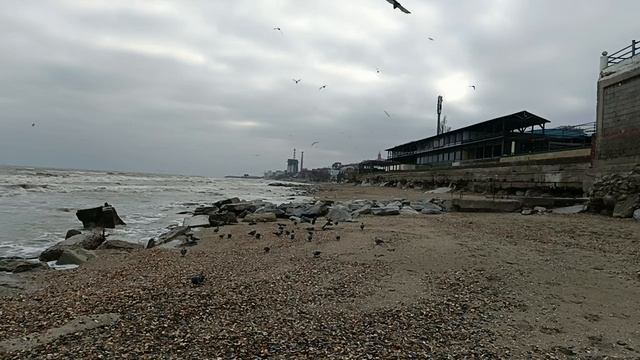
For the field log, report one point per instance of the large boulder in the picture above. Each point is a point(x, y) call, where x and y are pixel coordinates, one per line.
point(220, 203)
point(20, 265)
point(168, 236)
point(119, 245)
point(102, 217)
point(71, 233)
point(408, 210)
point(365, 209)
point(625, 208)
point(239, 208)
point(386, 211)
point(196, 221)
point(260, 217)
point(339, 213)
point(205, 210)
point(426, 206)
point(223, 218)
point(575, 209)
point(89, 241)
point(75, 256)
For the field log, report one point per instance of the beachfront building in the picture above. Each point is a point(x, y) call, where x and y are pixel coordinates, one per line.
point(515, 134)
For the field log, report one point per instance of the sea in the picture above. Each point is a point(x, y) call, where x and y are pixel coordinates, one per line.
point(38, 205)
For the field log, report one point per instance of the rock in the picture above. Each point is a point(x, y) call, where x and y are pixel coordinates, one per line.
point(317, 210)
point(526, 212)
point(196, 221)
point(365, 209)
point(71, 233)
point(485, 205)
point(440, 190)
point(519, 193)
point(636, 214)
point(222, 218)
point(395, 203)
point(260, 217)
point(428, 211)
point(88, 241)
point(609, 201)
point(239, 208)
point(102, 217)
point(575, 209)
point(168, 236)
point(75, 256)
point(625, 208)
point(119, 245)
point(339, 213)
point(386, 211)
point(20, 265)
point(425, 205)
point(408, 210)
point(220, 203)
point(205, 210)
point(540, 209)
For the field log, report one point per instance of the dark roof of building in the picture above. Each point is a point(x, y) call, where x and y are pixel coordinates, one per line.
point(378, 163)
point(521, 119)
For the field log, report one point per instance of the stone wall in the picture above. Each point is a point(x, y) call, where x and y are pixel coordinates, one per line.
point(618, 119)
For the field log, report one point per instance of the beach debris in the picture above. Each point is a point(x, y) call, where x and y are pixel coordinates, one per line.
point(183, 252)
point(197, 280)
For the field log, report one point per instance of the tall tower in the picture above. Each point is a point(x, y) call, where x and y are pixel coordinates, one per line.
point(439, 111)
point(301, 160)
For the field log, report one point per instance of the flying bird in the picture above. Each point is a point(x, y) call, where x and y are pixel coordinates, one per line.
point(385, 111)
point(322, 87)
point(378, 70)
point(278, 29)
point(296, 81)
point(33, 124)
point(473, 86)
point(397, 5)
point(315, 142)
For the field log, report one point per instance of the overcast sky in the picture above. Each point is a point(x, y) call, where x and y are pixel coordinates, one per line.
point(205, 87)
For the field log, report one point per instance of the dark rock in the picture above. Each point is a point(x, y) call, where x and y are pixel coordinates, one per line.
point(197, 221)
point(220, 203)
point(239, 208)
point(526, 212)
point(75, 256)
point(317, 210)
point(20, 265)
point(260, 217)
point(636, 214)
point(339, 213)
point(72, 232)
point(386, 211)
point(103, 217)
point(222, 218)
point(119, 245)
point(205, 210)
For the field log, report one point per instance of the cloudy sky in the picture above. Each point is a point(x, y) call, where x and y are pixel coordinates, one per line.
point(205, 87)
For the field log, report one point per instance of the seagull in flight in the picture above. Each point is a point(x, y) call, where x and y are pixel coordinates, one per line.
point(33, 124)
point(430, 38)
point(378, 70)
point(322, 87)
point(473, 86)
point(385, 111)
point(397, 5)
point(315, 142)
point(297, 81)
point(278, 29)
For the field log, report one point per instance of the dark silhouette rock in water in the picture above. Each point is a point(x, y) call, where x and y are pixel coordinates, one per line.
point(104, 217)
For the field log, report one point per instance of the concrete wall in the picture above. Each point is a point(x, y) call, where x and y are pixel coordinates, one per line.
point(548, 155)
point(618, 118)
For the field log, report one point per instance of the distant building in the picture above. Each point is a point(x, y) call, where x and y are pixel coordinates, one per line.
point(514, 134)
point(292, 166)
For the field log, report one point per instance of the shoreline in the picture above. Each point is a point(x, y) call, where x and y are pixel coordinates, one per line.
point(436, 285)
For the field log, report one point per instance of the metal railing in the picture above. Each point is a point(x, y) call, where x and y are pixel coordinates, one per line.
point(623, 54)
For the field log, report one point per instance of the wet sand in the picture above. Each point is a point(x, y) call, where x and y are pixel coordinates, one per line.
point(453, 285)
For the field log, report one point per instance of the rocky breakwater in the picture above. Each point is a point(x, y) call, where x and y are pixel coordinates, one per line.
point(617, 195)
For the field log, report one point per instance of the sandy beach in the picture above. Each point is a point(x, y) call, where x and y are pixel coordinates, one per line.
point(457, 285)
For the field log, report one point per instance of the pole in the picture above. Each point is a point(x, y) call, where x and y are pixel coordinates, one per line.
point(439, 111)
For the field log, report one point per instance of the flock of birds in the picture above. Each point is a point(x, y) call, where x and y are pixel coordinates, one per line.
point(283, 231)
point(396, 5)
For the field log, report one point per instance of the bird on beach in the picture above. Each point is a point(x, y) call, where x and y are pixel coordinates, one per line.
point(379, 241)
point(183, 252)
point(397, 5)
point(252, 232)
point(221, 236)
point(216, 229)
point(337, 237)
point(328, 223)
point(287, 232)
point(258, 236)
point(310, 237)
point(228, 236)
point(266, 249)
point(313, 221)
point(322, 87)
point(297, 81)
point(292, 237)
point(197, 280)
point(316, 253)
point(362, 226)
